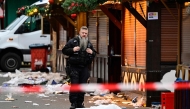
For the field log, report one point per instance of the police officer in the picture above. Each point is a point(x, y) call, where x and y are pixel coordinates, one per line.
point(81, 54)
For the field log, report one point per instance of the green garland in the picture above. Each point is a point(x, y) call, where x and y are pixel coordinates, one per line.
point(75, 6)
point(33, 10)
point(69, 7)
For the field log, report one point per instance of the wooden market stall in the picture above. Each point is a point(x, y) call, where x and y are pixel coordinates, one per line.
point(137, 41)
point(145, 37)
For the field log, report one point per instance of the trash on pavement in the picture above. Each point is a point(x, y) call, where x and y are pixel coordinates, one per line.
point(9, 97)
point(35, 104)
point(28, 101)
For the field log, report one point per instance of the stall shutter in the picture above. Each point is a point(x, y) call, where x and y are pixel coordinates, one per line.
point(169, 29)
point(103, 34)
point(92, 25)
point(185, 50)
point(135, 37)
point(128, 36)
point(62, 37)
point(141, 35)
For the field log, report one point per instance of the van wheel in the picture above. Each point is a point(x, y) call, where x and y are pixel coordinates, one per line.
point(10, 62)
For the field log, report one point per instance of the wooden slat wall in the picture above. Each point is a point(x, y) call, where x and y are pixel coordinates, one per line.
point(185, 50)
point(103, 35)
point(62, 37)
point(135, 37)
point(169, 28)
point(129, 49)
point(141, 36)
point(92, 31)
point(99, 67)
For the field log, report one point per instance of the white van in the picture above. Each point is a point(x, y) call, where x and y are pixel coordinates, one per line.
point(16, 38)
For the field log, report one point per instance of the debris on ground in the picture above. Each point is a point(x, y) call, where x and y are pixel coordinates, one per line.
point(9, 97)
point(33, 78)
point(54, 83)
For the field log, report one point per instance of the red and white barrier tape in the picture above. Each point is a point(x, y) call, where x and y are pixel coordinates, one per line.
point(92, 87)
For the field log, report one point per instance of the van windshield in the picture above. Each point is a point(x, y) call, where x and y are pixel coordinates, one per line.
point(14, 23)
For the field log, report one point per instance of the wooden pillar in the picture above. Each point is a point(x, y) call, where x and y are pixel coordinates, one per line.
point(54, 51)
point(81, 20)
point(179, 34)
point(153, 56)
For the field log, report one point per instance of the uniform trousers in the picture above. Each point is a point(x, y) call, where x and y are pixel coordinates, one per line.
point(78, 76)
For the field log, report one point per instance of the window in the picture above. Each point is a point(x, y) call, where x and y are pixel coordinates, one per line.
point(46, 26)
point(32, 24)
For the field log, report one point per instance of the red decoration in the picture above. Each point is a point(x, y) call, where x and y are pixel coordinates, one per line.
point(94, 11)
point(72, 4)
point(156, 1)
point(73, 16)
point(51, 1)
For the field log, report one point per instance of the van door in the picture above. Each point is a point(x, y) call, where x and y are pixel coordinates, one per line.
point(32, 34)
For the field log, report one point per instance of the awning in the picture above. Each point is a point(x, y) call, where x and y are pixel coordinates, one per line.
point(1, 13)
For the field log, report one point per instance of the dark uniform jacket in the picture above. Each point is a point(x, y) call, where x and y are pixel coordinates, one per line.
point(81, 58)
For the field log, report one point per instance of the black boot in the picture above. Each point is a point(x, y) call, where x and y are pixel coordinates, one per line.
point(73, 106)
point(80, 105)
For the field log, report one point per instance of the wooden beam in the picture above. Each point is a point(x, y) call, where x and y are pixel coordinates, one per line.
point(52, 22)
point(60, 20)
point(81, 20)
point(136, 14)
point(114, 6)
point(111, 16)
point(69, 19)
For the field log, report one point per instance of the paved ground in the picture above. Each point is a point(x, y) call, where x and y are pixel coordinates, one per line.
point(50, 101)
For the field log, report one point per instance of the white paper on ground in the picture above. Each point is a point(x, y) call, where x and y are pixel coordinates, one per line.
point(28, 101)
point(110, 106)
point(4, 101)
point(35, 104)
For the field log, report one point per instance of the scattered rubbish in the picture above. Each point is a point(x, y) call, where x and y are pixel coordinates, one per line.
point(116, 100)
point(19, 78)
point(126, 102)
point(100, 102)
point(87, 94)
point(42, 95)
point(35, 104)
point(90, 101)
point(102, 99)
point(4, 101)
point(119, 96)
point(9, 97)
point(126, 97)
point(15, 107)
point(155, 105)
point(134, 100)
point(47, 104)
point(123, 108)
point(109, 106)
point(45, 99)
point(59, 92)
point(28, 101)
point(52, 100)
